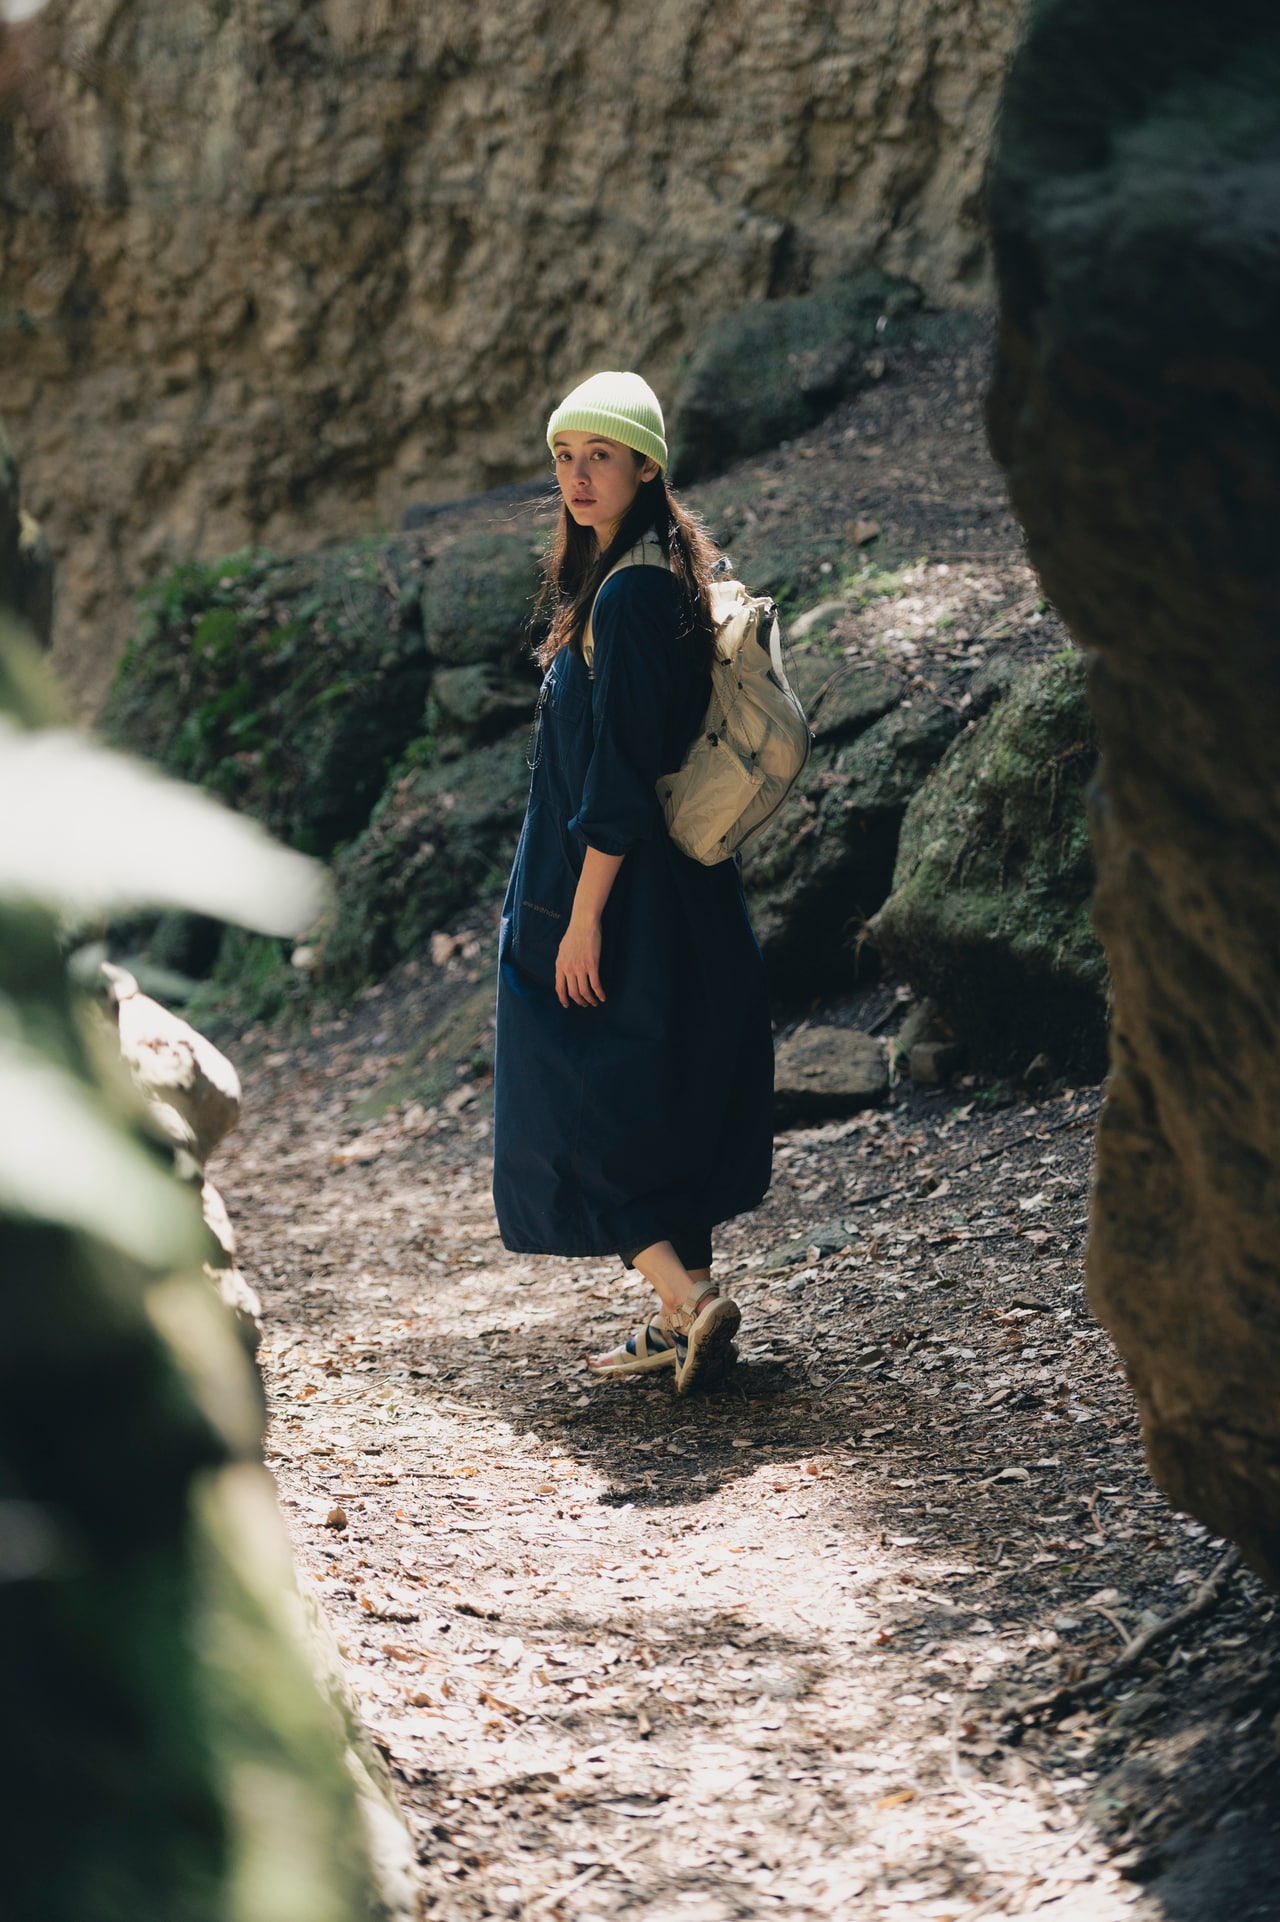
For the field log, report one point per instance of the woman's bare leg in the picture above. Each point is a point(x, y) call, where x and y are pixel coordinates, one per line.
point(661, 1265)
point(674, 1283)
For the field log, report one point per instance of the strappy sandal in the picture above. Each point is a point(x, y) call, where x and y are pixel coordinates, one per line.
point(648, 1349)
point(704, 1327)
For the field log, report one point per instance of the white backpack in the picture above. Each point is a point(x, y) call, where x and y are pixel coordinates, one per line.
point(754, 740)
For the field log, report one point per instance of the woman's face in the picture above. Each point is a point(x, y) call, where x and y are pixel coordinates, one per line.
point(599, 479)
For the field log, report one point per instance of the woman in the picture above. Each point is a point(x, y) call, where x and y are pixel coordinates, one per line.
point(634, 1069)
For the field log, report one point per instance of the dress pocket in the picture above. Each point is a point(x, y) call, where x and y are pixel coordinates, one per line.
point(540, 899)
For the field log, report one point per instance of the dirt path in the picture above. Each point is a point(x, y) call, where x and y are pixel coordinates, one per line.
point(758, 1652)
point(752, 1652)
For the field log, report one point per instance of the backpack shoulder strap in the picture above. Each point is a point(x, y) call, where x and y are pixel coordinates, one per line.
point(647, 552)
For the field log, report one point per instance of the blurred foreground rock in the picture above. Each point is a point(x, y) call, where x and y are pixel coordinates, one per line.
point(193, 1094)
point(1136, 407)
point(167, 1751)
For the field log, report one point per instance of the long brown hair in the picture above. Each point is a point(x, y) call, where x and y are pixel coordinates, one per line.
point(575, 567)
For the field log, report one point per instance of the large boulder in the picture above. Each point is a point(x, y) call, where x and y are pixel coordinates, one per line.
point(286, 687)
point(827, 864)
point(989, 914)
point(479, 599)
point(442, 836)
point(1136, 408)
point(768, 371)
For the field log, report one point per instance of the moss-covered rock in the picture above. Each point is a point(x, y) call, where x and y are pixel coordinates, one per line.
point(773, 369)
point(292, 688)
point(841, 697)
point(478, 602)
point(442, 837)
point(286, 687)
point(827, 865)
point(989, 913)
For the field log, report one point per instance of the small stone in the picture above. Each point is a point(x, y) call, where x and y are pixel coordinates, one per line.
point(821, 1073)
point(865, 531)
point(932, 1062)
point(817, 616)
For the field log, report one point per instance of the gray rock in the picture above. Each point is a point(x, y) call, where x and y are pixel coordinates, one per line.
point(842, 698)
point(824, 1238)
point(476, 704)
point(828, 864)
point(992, 681)
point(441, 837)
point(814, 617)
point(477, 602)
point(1136, 408)
point(772, 369)
point(821, 1073)
point(926, 1045)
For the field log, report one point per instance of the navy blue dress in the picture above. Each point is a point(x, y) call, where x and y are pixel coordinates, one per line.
point(649, 1118)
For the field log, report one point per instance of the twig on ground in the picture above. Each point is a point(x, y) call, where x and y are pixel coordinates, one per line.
point(556, 1895)
point(1126, 1640)
point(1205, 1599)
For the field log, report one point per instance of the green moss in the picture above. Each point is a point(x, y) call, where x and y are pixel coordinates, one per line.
point(441, 839)
point(287, 687)
point(989, 911)
point(478, 604)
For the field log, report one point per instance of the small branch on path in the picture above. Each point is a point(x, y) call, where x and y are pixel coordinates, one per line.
point(1205, 1599)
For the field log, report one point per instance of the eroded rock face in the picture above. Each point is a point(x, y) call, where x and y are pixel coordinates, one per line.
point(282, 270)
point(1137, 411)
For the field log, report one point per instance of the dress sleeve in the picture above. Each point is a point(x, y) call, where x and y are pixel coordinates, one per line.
point(631, 694)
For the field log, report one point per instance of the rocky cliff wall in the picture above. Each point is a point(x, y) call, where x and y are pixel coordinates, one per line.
point(1136, 408)
point(271, 271)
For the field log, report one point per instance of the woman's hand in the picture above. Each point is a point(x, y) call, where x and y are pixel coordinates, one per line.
point(578, 959)
point(578, 964)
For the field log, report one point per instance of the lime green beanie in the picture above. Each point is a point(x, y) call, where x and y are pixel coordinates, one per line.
point(619, 406)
